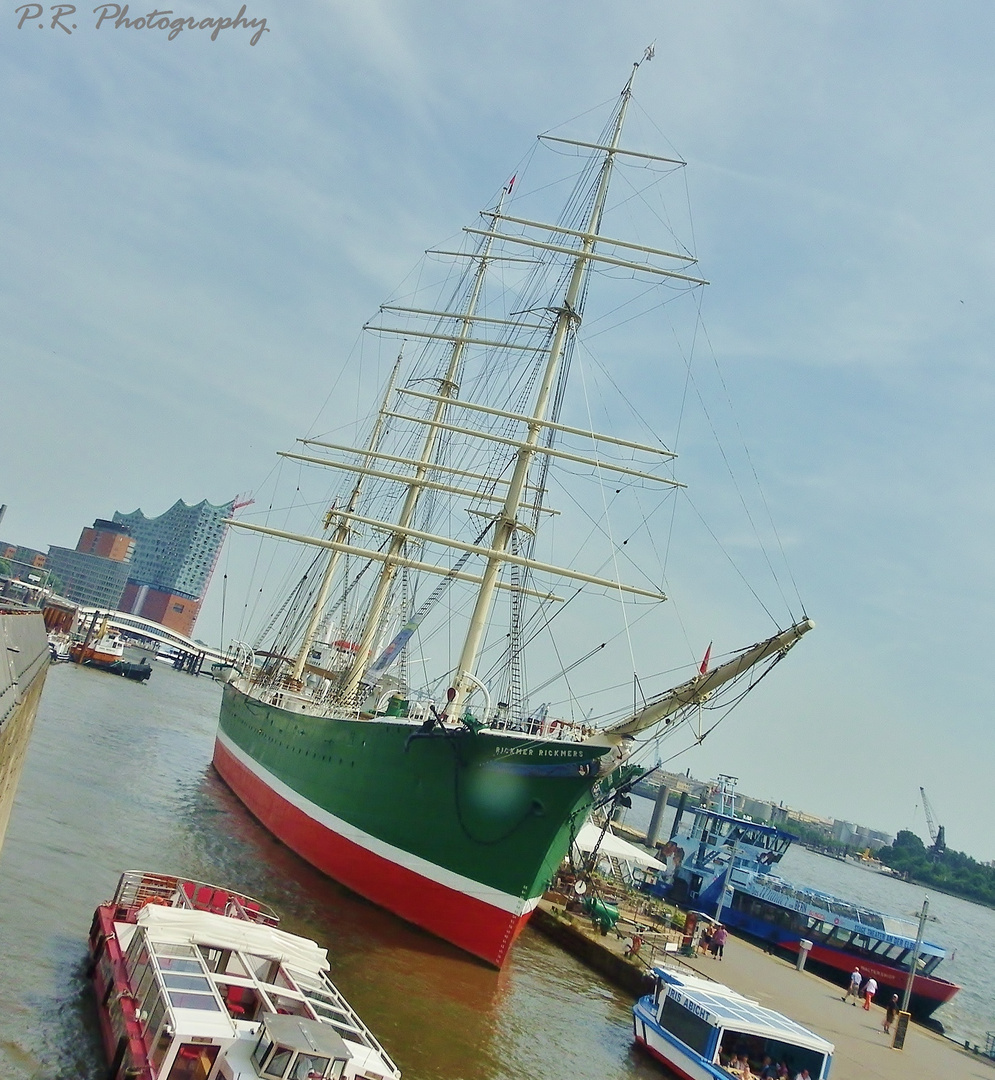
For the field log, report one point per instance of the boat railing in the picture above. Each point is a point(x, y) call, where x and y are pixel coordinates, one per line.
point(548, 728)
point(137, 888)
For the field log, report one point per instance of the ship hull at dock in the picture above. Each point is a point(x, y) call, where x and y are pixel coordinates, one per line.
point(24, 663)
point(456, 832)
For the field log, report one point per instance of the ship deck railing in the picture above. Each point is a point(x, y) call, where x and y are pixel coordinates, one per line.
point(137, 888)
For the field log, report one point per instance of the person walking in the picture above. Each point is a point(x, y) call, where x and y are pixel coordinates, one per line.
point(719, 941)
point(890, 1014)
point(870, 989)
point(853, 990)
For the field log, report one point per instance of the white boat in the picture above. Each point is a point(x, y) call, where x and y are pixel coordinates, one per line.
point(699, 1029)
point(195, 982)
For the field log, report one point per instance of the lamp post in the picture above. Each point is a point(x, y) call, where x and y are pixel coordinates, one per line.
point(902, 1022)
point(915, 954)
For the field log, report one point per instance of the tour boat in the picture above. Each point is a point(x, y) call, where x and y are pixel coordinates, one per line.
point(386, 731)
point(720, 863)
point(196, 982)
point(699, 1028)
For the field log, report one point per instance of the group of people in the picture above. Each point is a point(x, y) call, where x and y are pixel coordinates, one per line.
point(739, 1065)
point(714, 939)
point(869, 987)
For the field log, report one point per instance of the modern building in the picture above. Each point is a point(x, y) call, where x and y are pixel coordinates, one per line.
point(96, 572)
point(22, 559)
point(174, 558)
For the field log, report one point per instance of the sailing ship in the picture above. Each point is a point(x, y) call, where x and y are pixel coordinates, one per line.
point(385, 731)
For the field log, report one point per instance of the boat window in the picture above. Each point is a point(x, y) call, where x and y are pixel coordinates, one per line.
point(840, 936)
point(240, 1001)
point(263, 1047)
point(137, 953)
point(193, 1061)
point(173, 981)
point(181, 999)
point(169, 963)
point(143, 981)
point(898, 954)
point(172, 949)
point(278, 1062)
point(684, 1025)
point(930, 964)
point(307, 1066)
point(283, 980)
point(161, 1049)
point(154, 1009)
point(290, 1005)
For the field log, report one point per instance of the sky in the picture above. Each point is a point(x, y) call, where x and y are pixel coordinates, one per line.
point(194, 231)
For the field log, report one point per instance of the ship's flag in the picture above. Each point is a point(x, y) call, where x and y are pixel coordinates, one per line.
point(704, 662)
point(511, 183)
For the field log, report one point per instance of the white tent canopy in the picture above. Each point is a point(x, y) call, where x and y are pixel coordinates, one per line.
point(614, 845)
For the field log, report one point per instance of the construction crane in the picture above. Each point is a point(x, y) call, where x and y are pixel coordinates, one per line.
point(935, 831)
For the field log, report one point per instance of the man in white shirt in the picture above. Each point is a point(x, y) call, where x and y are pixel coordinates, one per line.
point(870, 989)
point(853, 990)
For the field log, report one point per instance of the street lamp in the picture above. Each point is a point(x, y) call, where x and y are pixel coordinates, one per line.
point(902, 1023)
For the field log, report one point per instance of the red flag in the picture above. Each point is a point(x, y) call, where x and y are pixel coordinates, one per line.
point(704, 662)
point(511, 183)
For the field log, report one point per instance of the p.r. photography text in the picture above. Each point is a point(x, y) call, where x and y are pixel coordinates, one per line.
point(117, 17)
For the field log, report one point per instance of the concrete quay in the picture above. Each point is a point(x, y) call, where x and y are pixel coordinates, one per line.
point(863, 1051)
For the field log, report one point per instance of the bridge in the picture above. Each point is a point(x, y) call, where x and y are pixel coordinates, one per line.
point(147, 630)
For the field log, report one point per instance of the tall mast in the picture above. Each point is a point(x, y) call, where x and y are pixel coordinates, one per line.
point(568, 316)
point(447, 389)
point(342, 532)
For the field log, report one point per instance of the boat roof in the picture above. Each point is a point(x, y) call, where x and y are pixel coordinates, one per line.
point(272, 961)
point(305, 1035)
point(722, 1007)
point(746, 823)
point(184, 927)
point(901, 931)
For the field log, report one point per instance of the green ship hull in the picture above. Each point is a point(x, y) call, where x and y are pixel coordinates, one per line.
point(455, 831)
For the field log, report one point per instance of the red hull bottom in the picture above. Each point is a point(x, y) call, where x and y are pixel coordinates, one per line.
point(928, 993)
point(483, 929)
point(643, 1045)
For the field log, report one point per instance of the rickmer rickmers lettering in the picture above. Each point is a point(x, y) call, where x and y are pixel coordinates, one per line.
point(383, 727)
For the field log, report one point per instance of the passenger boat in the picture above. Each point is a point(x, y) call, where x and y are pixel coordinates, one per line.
point(196, 982)
point(698, 1028)
point(103, 647)
point(386, 731)
point(720, 863)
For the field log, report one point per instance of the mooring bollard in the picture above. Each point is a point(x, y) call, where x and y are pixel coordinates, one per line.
point(804, 947)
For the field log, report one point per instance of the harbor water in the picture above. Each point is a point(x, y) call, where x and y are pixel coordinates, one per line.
point(118, 777)
point(965, 930)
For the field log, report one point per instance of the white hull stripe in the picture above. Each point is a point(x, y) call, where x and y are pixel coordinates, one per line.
point(467, 886)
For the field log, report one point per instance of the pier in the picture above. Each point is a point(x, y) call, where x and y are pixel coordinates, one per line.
point(863, 1051)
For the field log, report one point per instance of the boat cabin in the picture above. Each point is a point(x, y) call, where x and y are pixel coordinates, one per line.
point(702, 1028)
point(218, 997)
point(294, 1048)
